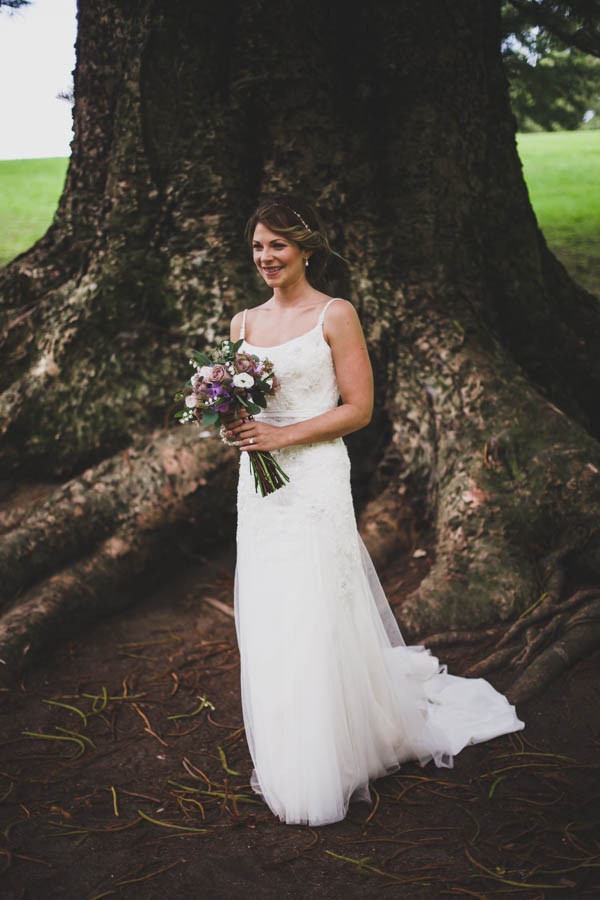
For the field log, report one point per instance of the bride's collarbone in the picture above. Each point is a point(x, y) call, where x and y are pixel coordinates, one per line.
point(283, 330)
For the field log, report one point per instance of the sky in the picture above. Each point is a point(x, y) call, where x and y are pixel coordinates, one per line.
point(37, 58)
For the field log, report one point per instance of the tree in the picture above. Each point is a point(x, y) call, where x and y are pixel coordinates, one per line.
point(574, 22)
point(553, 83)
point(396, 121)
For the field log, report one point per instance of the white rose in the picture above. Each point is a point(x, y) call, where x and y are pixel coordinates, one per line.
point(196, 377)
point(191, 401)
point(243, 380)
point(206, 372)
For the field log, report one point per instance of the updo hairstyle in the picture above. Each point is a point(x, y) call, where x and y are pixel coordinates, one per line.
point(298, 222)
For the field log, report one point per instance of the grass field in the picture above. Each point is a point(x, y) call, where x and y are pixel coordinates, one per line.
point(29, 193)
point(562, 170)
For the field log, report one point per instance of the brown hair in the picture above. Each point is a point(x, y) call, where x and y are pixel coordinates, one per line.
point(298, 222)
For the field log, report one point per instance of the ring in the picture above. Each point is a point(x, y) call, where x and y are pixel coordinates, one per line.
point(251, 441)
point(251, 418)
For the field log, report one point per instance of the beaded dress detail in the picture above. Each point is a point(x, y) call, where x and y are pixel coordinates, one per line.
point(332, 697)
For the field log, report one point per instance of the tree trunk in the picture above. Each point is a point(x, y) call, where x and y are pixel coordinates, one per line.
point(395, 120)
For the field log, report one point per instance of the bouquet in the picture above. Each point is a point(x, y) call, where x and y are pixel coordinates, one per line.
point(223, 385)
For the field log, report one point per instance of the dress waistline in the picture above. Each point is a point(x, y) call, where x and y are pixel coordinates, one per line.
point(293, 413)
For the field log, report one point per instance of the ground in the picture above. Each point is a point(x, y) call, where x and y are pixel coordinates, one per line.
point(134, 802)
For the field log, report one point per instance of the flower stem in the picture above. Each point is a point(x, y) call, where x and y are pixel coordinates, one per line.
point(268, 474)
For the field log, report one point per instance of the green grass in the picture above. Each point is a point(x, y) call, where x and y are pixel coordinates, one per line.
point(29, 193)
point(562, 170)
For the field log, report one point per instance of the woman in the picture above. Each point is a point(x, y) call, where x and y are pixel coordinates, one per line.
point(332, 696)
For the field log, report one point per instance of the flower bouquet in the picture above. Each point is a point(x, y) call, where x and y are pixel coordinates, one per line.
point(223, 385)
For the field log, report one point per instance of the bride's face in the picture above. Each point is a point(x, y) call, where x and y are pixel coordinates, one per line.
point(280, 262)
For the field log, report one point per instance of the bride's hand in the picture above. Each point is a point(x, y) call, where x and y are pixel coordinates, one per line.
point(248, 434)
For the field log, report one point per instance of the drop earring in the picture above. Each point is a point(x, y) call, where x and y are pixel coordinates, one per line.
point(306, 262)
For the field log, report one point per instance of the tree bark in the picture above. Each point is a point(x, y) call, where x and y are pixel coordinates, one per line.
point(395, 121)
point(97, 543)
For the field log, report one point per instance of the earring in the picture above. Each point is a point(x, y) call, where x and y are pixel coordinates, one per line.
point(306, 262)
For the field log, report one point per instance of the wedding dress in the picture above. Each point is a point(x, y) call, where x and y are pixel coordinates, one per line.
point(332, 697)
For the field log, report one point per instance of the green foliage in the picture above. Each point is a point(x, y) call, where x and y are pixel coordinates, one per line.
point(554, 83)
point(574, 22)
point(30, 190)
point(556, 93)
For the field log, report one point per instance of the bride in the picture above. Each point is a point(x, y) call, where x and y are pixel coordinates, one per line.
point(332, 697)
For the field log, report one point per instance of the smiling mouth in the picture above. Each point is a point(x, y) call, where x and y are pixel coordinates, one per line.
point(272, 270)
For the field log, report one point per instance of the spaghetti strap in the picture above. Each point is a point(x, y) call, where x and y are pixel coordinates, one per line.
point(243, 330)
point(321, 318)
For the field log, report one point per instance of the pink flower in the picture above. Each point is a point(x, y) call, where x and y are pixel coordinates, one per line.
point(219, 374)
point(201, 388)
point(191, 401)
point(245, 363)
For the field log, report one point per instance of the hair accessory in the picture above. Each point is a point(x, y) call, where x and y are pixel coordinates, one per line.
point(299, 217)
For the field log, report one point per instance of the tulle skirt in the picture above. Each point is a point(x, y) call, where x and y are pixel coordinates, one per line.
point(332, 697)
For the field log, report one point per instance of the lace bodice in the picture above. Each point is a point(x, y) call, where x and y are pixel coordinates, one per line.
point(319, 472)
point(304, 366)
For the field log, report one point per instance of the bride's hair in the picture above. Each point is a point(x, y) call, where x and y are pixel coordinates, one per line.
point(297, 221)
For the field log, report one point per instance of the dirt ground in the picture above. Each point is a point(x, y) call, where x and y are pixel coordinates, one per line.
point(124, 773)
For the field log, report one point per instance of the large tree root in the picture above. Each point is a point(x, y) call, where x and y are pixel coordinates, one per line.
point(157, 473)
point(544, 642)
point(514, 499)
point(92, 547)
point(581, 636)
point(108, 580)
point(525, 637)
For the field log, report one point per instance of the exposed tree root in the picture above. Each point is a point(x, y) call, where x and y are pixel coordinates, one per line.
point(92, 547)
point(77, 595)
point(546, 641)
point(522, 635)
point(445, 639)
point(581, 636)
point(154, 475)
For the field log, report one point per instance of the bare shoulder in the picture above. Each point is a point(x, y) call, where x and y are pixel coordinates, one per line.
point(341, 320)
point(341, 310)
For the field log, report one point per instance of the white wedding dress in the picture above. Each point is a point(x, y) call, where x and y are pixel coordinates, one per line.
point(332, 696)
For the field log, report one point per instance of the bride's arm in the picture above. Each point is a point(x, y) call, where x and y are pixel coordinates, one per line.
point(354, 375)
